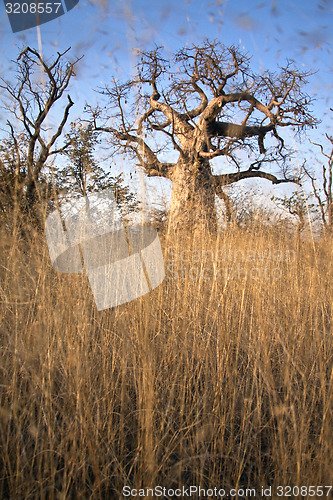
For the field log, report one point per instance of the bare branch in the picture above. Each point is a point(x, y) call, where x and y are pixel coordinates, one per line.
point(225, 179)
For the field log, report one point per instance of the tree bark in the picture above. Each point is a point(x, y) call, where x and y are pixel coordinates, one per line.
point(193, 197)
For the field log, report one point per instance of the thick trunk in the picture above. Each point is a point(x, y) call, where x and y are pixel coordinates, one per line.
point(193, 197)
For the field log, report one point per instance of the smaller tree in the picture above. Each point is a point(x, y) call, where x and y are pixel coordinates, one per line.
point(82, 174)
point(39, 85)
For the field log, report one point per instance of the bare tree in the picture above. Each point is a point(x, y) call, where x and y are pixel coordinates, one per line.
point(39, 84)
point(324, 193)
point(206, 104)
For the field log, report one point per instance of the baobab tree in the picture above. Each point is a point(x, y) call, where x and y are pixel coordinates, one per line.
point(202, 104)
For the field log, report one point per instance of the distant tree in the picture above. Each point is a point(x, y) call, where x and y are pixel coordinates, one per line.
point(203, 104)
point(39, 85)
point(239, 207)
point(298, 205)
point(245, 208)
point(82, 174)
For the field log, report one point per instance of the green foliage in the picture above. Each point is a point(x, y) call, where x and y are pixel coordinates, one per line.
point(82, 174)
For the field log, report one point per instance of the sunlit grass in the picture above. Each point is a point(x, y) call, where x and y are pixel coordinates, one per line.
point(214, 382)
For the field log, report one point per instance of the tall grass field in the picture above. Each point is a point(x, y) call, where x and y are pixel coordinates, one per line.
point(220, 378)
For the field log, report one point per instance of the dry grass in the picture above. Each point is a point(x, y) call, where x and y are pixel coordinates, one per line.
point(213, 382)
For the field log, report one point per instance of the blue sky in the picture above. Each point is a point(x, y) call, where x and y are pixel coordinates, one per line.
point(107, 32)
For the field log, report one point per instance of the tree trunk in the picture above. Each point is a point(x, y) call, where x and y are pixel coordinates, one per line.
point(193, 197)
